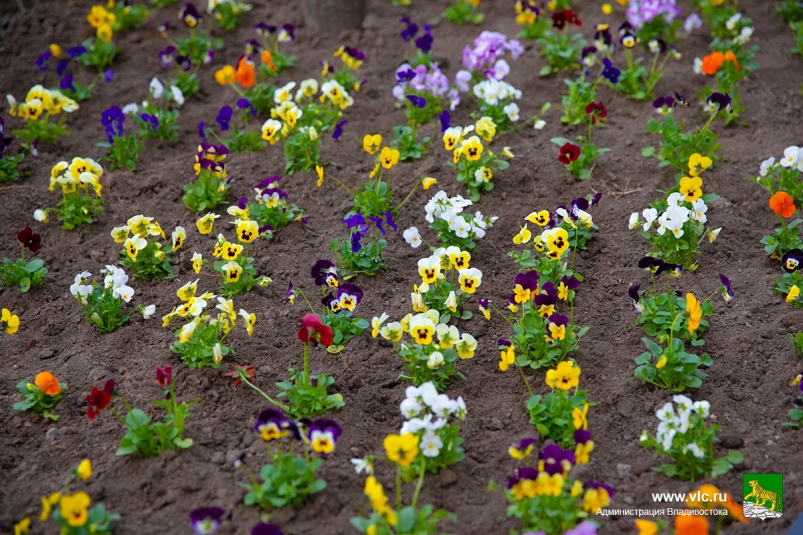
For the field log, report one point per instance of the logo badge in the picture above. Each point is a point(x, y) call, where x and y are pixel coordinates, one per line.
point(763, 495)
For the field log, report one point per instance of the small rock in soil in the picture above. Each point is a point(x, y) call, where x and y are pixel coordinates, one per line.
point(731, 440)
point(47, 353)
point(448, 478)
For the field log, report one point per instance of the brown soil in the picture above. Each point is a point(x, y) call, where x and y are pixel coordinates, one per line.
point(748, 339)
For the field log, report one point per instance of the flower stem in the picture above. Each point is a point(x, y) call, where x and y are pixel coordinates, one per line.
point(273, 401)
point(398, 489)
point(526, 382)
point(420, 481)
point(306, 363)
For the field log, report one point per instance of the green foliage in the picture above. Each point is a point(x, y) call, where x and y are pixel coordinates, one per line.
point(152, 262)
point(415, 359)
point(678, 372)
point(658, 318)
point(102, 309)
point(98, 522)
point(676, 146)
point(206, 193)
point(579, 94)
point(37, 401)
point(199, 350)
point(167, 128)
point(129, 16)
point(24, 274)
point(288, 480)
point(8, 167)
point(581, 167)
point(366, 260)
point(99, 54)
point(309, 398)
point(410, 521)
point(302, 150)
point(462, 11)
point(42, 130)
point(406, 142)
point(561, 51)
point(123, 152)
point(552, 415)
point(148, 438)
point(344, 328)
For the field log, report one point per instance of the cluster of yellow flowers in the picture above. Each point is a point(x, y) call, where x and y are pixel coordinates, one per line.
point(141, 227)
point(103, 22)
point(12, 321)
point(78, 174)
point(38, 101)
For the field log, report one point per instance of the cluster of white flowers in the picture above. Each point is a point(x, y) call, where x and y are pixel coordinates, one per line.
point(792, 159)
point(675, 216)
point(427, 412)
point(493, 91)
point(446, 208)
point(746, 32)
point(116, 279)
point(673, 423)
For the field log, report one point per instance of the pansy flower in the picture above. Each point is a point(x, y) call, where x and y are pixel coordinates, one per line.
point(507, 354)
point(716, 102)
point(610, 71)
point(98, 399)
point(206, 520)
point(482, 304)
point(650, 264)
point(30, 239)
point(401, 449)
point(410, 30)
point(673, 269)
point(314, 331)
point(164, 375)
point(555, 460)
point(524, 286)
point(568, 153)
point(691, 188)
point(791, 260)
point(190, 15)
point(597, 111)
point(322, 435)
point(664, 105)
point(565, 376)
point(583, 446)
point(264, 528)
point(324, 272)
point(224, 117)
point(272, 425)
point(635, 298)
point(782, 204)
point(349, 296)
point(558, 324)
point(523, 449)
point(727, 291)
point(470, 279)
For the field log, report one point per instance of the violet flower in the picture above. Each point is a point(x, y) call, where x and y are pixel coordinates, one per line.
point(224, 117)
point(206, 520)
point(62, 66)
point(410, 31)
point(66, 82)
point(245, 103)
point(338, 131)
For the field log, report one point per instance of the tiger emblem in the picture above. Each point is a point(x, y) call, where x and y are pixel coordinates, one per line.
point(763, 496)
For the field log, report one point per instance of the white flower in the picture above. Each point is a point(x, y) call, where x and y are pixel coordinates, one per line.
point(695, 449)
point(744, 36)
point(428, 393)
point(431, 444)
point(766, 165)
point(698, 66)
point(361, 465)
point(702, 408)
point(451, 302)
point(414, 425)
point(123, 292)
point(675, 199)
point(666, 432)
point(444, 406)
point(650, 215)
point(178, 96)
point(733, 21)
point(684, 420)
point(790, 156)
point(156, 88)
point(217, 353)
point(634, 220)
point(130, 109)
point(460, 227)
point(674, 225)
point(698, 210)
point(666, 413)
point(40, 215)
point(410, 408)
point(539, 124)
point(712, 234)
point(412, 237)
point(435, 360)
point(461, 406)
point(79, 289)
point(512, 111)
point(148, 311)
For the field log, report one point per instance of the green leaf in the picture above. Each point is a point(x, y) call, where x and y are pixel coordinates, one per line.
point(25, 284)
point(182, 443)
point(559, 140)
point(648, 151)
point(406, 520)
point(127, 450)
point(735, 456)
point(545, 70)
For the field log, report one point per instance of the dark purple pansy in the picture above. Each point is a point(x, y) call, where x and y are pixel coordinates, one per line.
point(291, 31)
point(503, 342)
point(355, 241)
point(445, 119)
point(267, 182)
point(389, 221)
point(571, 283)
point(525, 443)
point(167, 55)
point(378, 222)
point(264, 29)
point(202, 130)
point(289, 290)
point(559, 320)
point(224, 117)
point(62, 66)
point(189, 14)
point(112, 119)
point(650, 263)
point(252, 45)
point(206, 520)
point(581, 436)
point(42, 61)
point(404, 75)
point(242, 202)
point(338, 131)
point(355, 53)
point(108, 75)
point(527, 280)
point(727, 291)
point(410, 31)
point(185, 63)
point(76, 51)
point(266, 529)
point(792, 260)
point(321, 269)
point(424, 43)
point(556, 460)
point(664, 105)
point(595, 199)
point(681, 99)
point(673, 269)
point(354, 220)
point(599, 485)
point(245, 103)
point(418, 102)
point(610, 71)
point(264, 228)
point(635, 297)
point(66, 83)
point(151, 120)
point(720, 100)
point(352, 290)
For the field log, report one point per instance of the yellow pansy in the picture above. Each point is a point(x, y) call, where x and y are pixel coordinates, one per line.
point(401, 449)
point(691, 188)
point(523, 236)
point(389, 157)
point(230, 251)
point(486, 128)
point(178, 236)
point(428, 182)
point(233, 271)
point(472, 148)
point(75, 508)
point(247, 231)
point(469, 279)
point(84, 470)
point(197, 262)
point(371, 143)
point(319, 170)
point(249, 319)
point(698, 164)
